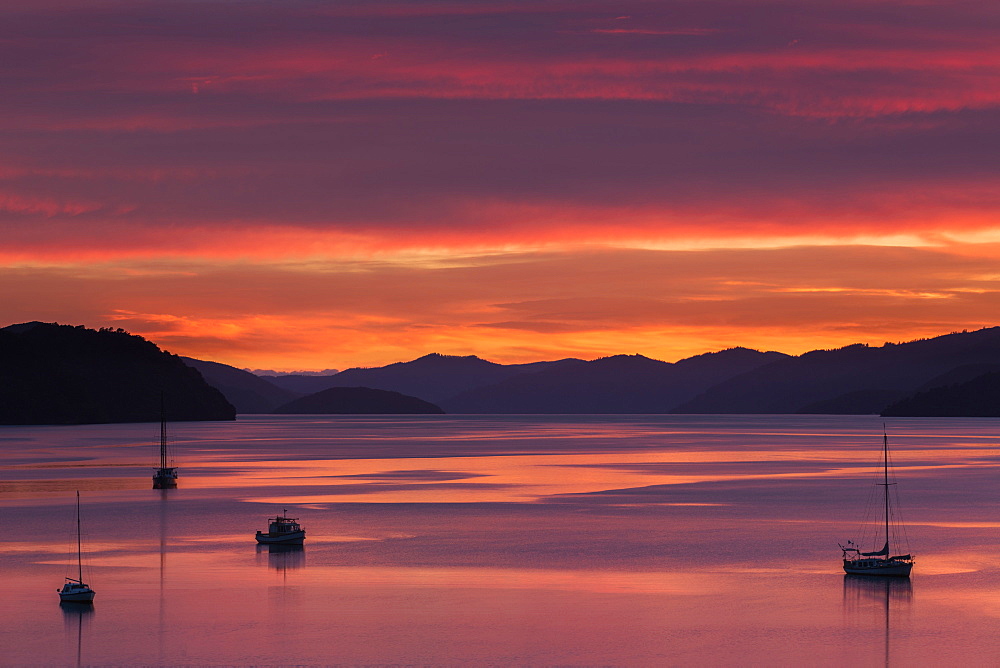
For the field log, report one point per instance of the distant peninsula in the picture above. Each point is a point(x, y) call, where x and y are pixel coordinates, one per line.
point(61, 374)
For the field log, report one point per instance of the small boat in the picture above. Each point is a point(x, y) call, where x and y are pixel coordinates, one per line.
point(282, 530)
point(883, 530)
point(77, 591)
point(165, 476)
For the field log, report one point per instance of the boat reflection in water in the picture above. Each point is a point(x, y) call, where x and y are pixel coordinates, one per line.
point(76, 616)
point(876, 595)
point(283, 557)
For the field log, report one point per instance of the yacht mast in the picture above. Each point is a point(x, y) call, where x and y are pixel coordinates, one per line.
point(885, 485)
point(79, 545)
point(163, 434)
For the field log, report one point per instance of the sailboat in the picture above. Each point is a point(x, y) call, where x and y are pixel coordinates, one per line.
point(165, 476)
point(880, 561)
point(77, 591)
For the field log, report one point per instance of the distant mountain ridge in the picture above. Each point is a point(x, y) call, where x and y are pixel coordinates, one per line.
point(247, 392)
point(60, 374)
point(433, 377)
point(855, 379)
point(864, 378)
point(615, 384)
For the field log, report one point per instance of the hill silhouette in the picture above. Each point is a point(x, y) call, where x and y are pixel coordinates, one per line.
point(856, 379)
point(358, 400)
point(433, 377)
point(300, 384)
point(245, 391)
point(853, 379)
point(616, 384)
point(61, 374)
point(979, 397)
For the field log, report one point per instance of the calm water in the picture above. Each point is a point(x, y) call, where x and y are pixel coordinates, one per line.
point(515, 540)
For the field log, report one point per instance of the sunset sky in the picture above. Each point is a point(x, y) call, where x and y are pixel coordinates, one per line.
point(290, 184)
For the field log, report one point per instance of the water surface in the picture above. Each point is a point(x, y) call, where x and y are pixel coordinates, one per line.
point(499, 540)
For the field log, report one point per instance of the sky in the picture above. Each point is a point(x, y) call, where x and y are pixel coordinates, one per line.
point(291, 184)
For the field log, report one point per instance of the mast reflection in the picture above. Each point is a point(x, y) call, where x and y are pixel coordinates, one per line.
point(164, 548)
point(76, 616)
point(877, 595)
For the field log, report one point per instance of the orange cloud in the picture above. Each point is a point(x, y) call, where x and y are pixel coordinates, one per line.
point(662, 304)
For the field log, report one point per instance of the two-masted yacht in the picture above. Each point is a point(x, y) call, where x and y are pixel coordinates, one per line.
point(884, 529)
point(76, 590)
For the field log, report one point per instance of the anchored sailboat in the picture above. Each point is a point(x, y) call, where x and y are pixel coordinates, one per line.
point(77, 591)
point(165, 476)
point(880, 561)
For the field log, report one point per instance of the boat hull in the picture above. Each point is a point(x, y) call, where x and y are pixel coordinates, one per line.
point(165, 479)
point(293, 538)
point(878, 567)
point(77, 595)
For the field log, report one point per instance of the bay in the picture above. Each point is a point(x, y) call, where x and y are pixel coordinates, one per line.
point(499, 540)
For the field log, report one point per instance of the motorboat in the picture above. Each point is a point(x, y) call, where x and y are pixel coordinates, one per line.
point(282, 530)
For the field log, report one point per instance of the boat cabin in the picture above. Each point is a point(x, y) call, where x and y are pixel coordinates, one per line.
point(282, 529)
point(73, 586)
point(282, 525)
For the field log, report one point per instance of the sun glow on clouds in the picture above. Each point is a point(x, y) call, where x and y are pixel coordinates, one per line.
point(664, 304)
point(293, 185)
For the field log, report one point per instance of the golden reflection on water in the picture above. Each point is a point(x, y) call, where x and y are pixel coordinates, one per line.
point(525, 478)
point(194, 569)
point(510, 459)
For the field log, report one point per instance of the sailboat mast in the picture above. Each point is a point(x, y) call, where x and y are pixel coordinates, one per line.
point(79, 545)
point(885, 485)
point(163, 435)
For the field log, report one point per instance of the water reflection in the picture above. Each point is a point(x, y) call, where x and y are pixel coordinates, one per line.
point(870, 599)
point(164, 494)
point(622, 542)
point(877, 588)
point(76, 617)
point(283, 558)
